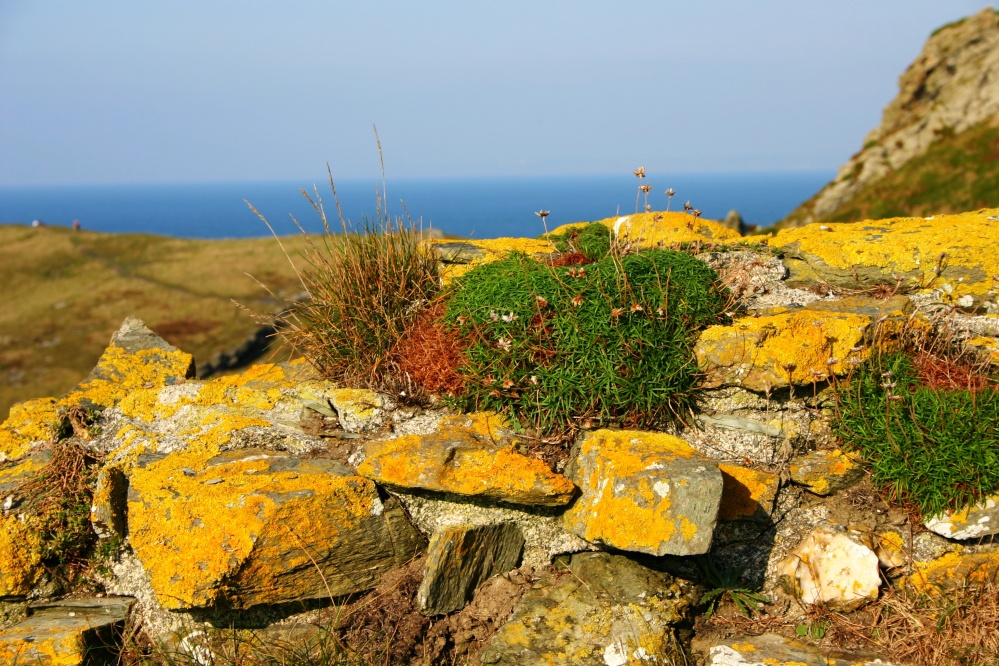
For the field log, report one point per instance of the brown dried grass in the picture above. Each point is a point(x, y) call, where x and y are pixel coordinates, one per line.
point(431, 352)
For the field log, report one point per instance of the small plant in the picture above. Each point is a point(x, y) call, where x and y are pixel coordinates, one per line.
point(927, 427)
point(366, 287)
point(726, 581)
point(606, 342)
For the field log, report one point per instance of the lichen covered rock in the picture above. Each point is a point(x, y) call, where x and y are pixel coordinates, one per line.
point(67, 633)
point(30, 424)
point(952, 570)
point(647, 230)
point(968, 523)
point(467, 456)
point(644, 492)
point(251, 527)
point(746, 493)
point(826, 472)
point(611, 611)
point(954, 253)
point(832, 569)
point(775, 650)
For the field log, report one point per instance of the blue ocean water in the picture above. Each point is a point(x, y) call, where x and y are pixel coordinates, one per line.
point(466, 207)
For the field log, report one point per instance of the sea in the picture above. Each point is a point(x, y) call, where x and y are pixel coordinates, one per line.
point(471, 207)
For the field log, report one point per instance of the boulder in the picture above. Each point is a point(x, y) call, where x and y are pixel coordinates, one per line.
point(252, 526)
point(831, 568)
point(826, 472)
point(953, 254)
point(67, 633)
point(775, 650)
point(972, 522)
point(360, 410)
point(463, 557)
point(468, 457)
point(609, 611)
point(644, 492)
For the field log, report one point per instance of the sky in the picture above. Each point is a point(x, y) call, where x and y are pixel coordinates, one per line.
point(244, 90)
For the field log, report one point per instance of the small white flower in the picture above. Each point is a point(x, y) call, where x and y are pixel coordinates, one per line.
point(493, 316)
point(504, 343)
point(510, 317)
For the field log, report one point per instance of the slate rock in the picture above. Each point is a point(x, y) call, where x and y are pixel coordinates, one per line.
point(775, 650)
point(606, 610)
point(644, 492)
point(460, 558)
point(826, 472)
point(470, 457)
point(67, 633)
point(255, 526)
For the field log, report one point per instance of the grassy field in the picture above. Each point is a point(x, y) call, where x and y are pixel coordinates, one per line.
point(65, 293)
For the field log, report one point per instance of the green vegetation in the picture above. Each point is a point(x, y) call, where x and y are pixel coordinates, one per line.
point(367, 288)
point(725, 581)
point(934, 446)
point(607, 342)
point(593, 241)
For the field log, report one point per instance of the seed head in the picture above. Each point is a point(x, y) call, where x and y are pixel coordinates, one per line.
point(577, 300)
point(670, 192)
point(543, 214)
point(640, 172)
point(645, 188)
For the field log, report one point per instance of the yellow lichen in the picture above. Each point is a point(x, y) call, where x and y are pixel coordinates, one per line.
point(28, 422)
point(953, 570)
point(20, 555)
point(770, 351)
point(650, 229)
point(495, 249)
point(745, 490)
point(119, 372)
point(217, 516)
point(963, 245)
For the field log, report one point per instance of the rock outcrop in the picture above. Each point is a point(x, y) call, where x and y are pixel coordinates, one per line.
point(949, 90)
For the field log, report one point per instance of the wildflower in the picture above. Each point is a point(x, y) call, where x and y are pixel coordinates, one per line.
point(542, 301)
point(635, 307)
point(510, 317)
point(857, 348)
point(640, 172)
point(669, 193)
point(504, 343)
point(645, 188)
point(648, 207)
point(461, 320)
point(886, 375)
point(493, 316)
point(577, 300)
point(696, 212)
point(617, 312)
point(543, 214)
point(687, 207)
point(508, 383)
point(534, 380)
point(832, 361)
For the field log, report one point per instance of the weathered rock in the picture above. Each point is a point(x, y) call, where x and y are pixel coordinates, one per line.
point(30, 424)
point(774, 650)
point(644, 492)
point(795, 347)
point(459, 258)
point(20, 540)
point(651, 229)
point(950, 253)
point(463, 557)
point(107, 509)
point(611, 611)
point(826, 472)
point(832, 569)
point(137, 358)
point(258, 527)
point(67, 633)
point(953, 570)
point(360, 410)
point(969, 523)
point(467, 456)
point(746, 493)
point(987, 345)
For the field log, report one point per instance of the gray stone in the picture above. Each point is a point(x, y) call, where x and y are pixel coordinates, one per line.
point(970, 523)
point(67, 633)
point(461, 558)
point(609, 610)
point(774, 650)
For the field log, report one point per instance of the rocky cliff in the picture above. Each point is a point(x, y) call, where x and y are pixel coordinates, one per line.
point(937, 147)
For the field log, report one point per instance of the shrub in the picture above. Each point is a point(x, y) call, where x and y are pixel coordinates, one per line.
point(929, 443)
point(365, 288)
point(607, 342)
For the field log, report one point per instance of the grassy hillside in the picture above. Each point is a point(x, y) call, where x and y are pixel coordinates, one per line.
point(65, 293)
point(958, 173)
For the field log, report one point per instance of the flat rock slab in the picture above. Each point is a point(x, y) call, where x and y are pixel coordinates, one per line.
point(608, 611)
point(927, 254)
point(254, 526)
point(467, 456)
point(644, 492)
point(67, 633)
point(826, 472)
point(774, 650)
point(463, 557)
point(971, 523)
point(21, 549)
point(832, 569)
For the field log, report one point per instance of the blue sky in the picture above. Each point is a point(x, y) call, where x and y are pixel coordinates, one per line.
point(224, 90)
